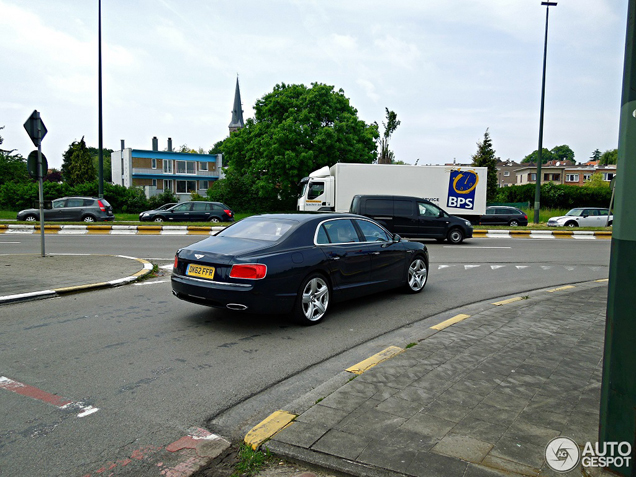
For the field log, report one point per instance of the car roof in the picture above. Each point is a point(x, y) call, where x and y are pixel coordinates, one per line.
point(374, 196)
point(306, 217)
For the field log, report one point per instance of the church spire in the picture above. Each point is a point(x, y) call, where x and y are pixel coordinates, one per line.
point(237, 112)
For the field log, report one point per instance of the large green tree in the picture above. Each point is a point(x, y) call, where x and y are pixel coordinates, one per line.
point(296, 130)
point(77, 164)
point(106, 154)
point(385, 155)
point(12, 166)
point(557, 153)
point(609, 157)
point(485, 157)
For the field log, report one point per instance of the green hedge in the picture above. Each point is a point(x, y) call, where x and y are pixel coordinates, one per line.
point(18, 196)
point(556, 196)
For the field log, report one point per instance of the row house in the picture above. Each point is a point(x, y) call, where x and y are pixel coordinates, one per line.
point(157, 171)
point(563, 174)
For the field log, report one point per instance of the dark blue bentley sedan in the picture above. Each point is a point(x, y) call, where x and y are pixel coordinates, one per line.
point(297, 263)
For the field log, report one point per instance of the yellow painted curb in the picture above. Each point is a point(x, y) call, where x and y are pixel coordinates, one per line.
point(383, 355)
point(602, 280)
point(98, 229)
point(79, 288)
point(566, 287)
point(149, 229)
point(509, 300)
point(273, 424)
point(450, 321)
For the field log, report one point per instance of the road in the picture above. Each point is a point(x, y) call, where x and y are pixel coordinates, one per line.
point(156, 367)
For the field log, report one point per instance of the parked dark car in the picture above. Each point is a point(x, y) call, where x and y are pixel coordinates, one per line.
point(72, 209)
point(503, 215)
point(297, 263)
point(195, 211)
point(412, 217)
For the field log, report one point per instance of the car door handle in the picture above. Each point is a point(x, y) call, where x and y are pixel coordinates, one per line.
point(375, 253)
point(336, 257)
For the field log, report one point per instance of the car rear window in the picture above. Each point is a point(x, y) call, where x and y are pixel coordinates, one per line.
point(105, 202)
point(259, 229)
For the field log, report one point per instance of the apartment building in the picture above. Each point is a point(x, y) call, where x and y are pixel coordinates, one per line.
point(157, 171)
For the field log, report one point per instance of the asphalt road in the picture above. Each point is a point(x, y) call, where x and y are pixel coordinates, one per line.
point(156, 367)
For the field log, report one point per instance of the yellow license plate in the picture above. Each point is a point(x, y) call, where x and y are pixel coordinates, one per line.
point(200, 271)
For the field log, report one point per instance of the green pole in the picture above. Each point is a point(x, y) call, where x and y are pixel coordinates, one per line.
point(618, 389)
point(537, 191)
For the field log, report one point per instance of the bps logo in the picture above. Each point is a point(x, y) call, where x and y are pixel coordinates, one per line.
point(461, 189)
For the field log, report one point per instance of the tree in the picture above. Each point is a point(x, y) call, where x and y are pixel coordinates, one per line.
point(562, 153)
point(609, 157)
point(596, 155)
point(106, 154)
point(485, 157)
point(13, 167)
point(77, 164)
point(596, 181)
point(295, 131)
point(386, 156)
point(557, 153)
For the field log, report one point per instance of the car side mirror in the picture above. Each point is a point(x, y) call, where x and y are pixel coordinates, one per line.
point(397, 238)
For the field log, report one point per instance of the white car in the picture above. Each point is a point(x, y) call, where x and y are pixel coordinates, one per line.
point(583, 217)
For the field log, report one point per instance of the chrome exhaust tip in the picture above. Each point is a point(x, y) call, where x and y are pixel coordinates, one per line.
point(236, 307)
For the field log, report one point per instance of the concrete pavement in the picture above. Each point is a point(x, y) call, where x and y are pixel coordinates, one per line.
point(31, 276)
point(481, 394)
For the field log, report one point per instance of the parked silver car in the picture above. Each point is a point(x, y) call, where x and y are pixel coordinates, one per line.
point(72, 209)
point(583, 217)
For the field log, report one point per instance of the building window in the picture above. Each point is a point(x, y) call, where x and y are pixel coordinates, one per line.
point(204, 185)
point(571, 177)
point(556, 177)
point(154, 182)
point(167, 167)
point(532, 177)
point(154, 163)
point(167, 185)
point(608, 176)
point(186, 167)
point(587, 177)
point(506, 173)
point(203, 166)
point(185, 187)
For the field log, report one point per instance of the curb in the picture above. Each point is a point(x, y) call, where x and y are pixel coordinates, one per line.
point(212, 230)
point(39, 295)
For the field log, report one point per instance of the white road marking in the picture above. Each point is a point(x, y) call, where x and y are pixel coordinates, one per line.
point(455, 247)
point(151, 283)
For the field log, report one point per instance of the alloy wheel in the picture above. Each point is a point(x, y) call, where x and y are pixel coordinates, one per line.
point(417, 275)
point(315, 299)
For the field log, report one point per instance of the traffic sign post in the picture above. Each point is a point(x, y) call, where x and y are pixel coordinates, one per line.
point(36, 130)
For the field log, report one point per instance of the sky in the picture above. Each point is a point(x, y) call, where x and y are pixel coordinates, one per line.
point(450, 70)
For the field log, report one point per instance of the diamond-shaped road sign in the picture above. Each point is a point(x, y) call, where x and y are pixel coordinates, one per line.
point(35, 128)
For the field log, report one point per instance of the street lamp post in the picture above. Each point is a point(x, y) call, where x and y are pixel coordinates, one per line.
point(100, 163)
point(537, 193)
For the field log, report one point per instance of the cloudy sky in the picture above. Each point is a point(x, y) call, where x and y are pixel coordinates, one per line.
point(449, 69)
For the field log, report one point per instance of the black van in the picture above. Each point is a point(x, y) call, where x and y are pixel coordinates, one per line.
point(412, 217)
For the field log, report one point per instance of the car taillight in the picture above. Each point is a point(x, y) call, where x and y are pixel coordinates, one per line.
point(176, 261)
point(101, 206)
point(228, 212)
point(250, 271)
point(525, 216)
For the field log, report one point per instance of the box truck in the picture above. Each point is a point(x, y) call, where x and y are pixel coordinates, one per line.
point(458, 190)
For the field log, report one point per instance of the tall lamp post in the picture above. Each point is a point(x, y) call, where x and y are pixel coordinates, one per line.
point(537, 193)
point(99, 95)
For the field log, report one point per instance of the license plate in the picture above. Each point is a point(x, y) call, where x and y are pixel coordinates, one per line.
point(200, 271)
